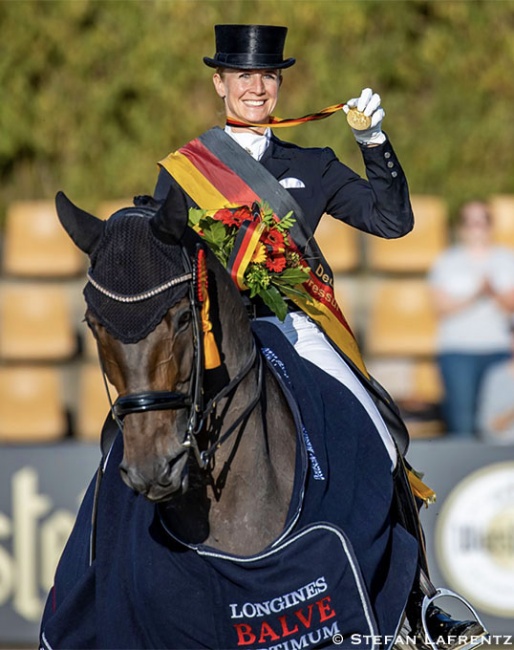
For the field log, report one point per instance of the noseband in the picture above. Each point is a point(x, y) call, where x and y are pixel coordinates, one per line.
point(162, 400)
point(152, 400)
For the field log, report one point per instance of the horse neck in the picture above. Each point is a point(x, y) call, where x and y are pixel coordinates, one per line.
point(244, 506)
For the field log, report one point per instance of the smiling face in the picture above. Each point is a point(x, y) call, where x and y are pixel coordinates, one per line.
point(249, 95)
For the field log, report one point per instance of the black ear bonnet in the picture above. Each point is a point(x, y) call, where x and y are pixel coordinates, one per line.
point(135, 278)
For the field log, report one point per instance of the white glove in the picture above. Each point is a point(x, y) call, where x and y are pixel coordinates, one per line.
point(369, 104)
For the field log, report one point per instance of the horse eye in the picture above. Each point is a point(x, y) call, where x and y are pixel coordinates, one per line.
point(91, 327)
point(183, 319)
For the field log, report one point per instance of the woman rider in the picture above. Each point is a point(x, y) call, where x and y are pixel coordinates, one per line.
point(248, 77)
point(248, 67)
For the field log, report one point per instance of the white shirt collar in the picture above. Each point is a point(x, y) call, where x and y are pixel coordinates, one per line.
point(254, 143)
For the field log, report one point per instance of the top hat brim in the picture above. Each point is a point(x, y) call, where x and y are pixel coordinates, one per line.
point(241, 64)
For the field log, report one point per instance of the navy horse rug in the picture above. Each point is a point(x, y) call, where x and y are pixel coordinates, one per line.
point(339, 575)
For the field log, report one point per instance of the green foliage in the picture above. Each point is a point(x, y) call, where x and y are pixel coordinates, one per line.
point(95, 92)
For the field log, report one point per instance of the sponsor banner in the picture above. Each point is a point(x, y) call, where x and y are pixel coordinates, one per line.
point(40, 491)
point(469, 530)
point(474, 538)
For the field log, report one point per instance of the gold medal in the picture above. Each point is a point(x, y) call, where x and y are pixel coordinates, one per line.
point(357, 120)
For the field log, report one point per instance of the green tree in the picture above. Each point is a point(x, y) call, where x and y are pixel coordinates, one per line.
point(95, 92)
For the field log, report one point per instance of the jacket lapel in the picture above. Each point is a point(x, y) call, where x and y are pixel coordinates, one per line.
point(277, 159)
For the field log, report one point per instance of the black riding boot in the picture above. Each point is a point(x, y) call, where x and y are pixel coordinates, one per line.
point(444, 631)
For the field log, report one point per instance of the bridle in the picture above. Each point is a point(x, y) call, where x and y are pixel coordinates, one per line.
point(161, 400)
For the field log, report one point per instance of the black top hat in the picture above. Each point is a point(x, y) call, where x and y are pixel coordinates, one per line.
point(249, 47)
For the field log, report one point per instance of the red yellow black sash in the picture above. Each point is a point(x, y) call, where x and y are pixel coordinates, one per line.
point(217, 173)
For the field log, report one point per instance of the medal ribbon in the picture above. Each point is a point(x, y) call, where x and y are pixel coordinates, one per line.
point(290, 121)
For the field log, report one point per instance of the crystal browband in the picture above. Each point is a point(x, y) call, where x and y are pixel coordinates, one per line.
point(139, 296)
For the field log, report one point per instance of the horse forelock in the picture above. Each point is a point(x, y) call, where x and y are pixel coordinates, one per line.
point(129, 260)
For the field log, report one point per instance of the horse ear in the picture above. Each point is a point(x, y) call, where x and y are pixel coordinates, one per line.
point(170, 221)
point(82, 227)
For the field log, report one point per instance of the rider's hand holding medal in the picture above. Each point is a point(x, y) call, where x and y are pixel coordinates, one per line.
point(364, 115)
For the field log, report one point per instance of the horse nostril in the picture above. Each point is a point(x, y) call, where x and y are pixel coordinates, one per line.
point(133, 479)
point(167, 471)
point(158, 479)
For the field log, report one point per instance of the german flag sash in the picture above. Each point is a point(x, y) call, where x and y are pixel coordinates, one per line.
point(216, 173)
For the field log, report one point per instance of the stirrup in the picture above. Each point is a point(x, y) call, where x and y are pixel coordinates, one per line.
point(461, 642)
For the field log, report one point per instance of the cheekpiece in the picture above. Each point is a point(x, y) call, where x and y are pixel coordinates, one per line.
point(249, 47)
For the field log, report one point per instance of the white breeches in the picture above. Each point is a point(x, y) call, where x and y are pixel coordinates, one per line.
point(312, 344)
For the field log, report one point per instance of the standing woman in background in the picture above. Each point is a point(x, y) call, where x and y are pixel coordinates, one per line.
point(473, 294)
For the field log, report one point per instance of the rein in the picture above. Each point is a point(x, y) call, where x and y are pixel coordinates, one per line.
point(203, 457)
point(161, 400)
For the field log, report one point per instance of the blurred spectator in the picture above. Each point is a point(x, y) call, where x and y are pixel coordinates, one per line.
point(473, 292)
point(496, 402)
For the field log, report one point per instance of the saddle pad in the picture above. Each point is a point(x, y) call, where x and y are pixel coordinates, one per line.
point(305, 593)
point(309, 593)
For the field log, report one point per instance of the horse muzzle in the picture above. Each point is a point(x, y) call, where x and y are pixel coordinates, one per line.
point(162, 481)
point(160, 474)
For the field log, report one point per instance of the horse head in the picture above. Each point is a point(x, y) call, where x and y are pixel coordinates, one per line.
point(141, 307)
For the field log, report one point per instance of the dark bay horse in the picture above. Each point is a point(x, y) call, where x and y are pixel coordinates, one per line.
point(237, 506)
point(164, 370)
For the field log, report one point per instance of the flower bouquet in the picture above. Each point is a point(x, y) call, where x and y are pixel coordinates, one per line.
point(257, 250)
